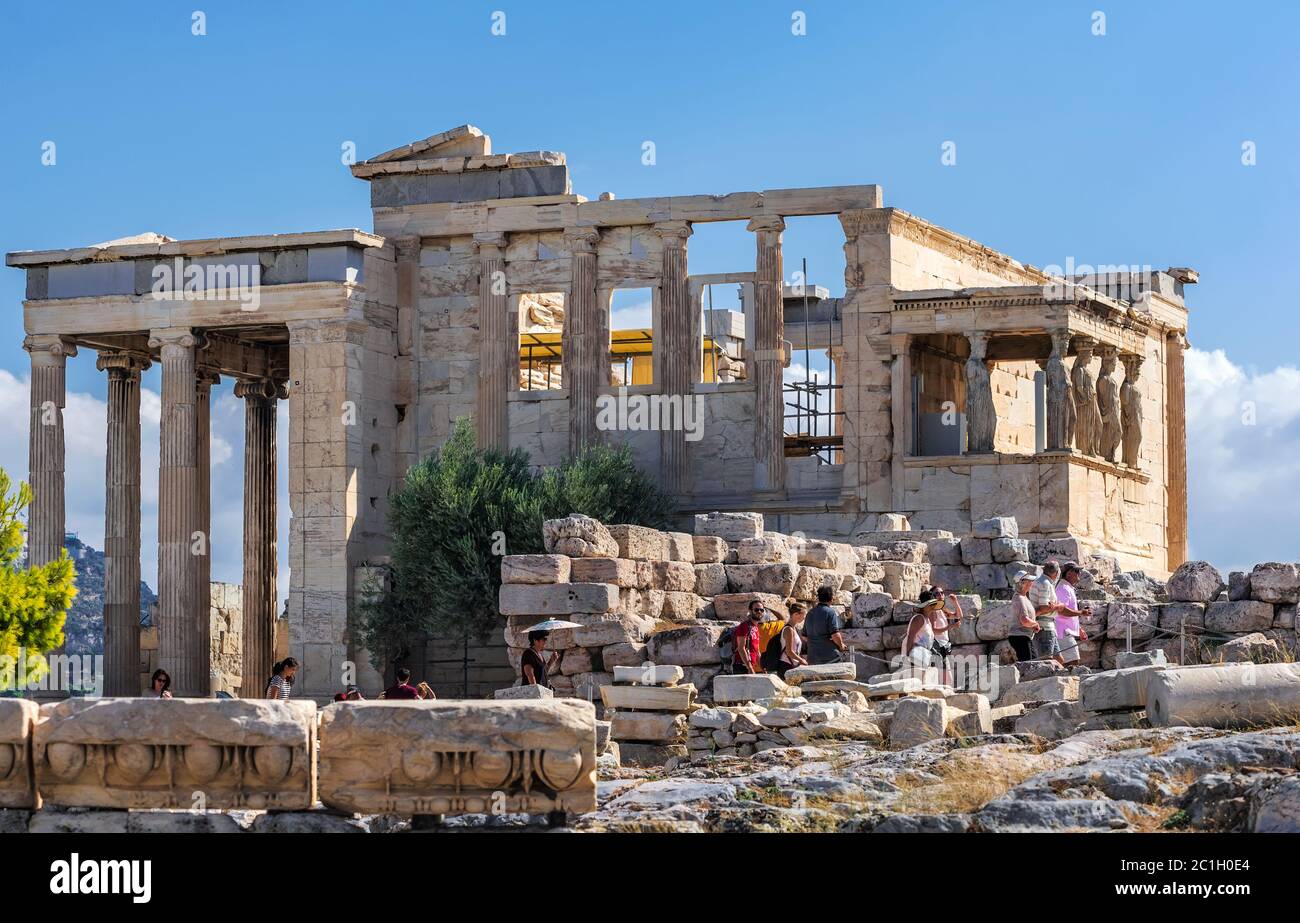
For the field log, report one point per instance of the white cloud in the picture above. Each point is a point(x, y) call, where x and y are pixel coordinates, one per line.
point(1243, 460)
point(85, 427)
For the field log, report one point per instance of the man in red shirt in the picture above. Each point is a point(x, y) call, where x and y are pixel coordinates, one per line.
point(745, 642)
point(403, 689)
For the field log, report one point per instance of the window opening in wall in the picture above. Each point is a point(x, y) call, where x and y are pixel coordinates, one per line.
point(631, 339)
point(541, 336)
point(814, 413)
point(723, 328)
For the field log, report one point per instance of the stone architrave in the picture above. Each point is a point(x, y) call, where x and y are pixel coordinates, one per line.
point(17, 720)
point(1060, 403)
point(45, 515)
point(981, 416)
point(466, 757)
point(122, 523)
point(1108, 405)
point(1130, 400)
point(769, 356)
point(1087, 427)
point(163, 753)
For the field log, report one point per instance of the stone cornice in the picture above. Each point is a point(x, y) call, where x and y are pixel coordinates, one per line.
point(350, 237)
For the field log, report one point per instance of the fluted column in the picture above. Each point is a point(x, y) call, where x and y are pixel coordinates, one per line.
point(981, 415)
point(678, 348)
point(1087, 415)
point(1130, 403)
point(260, 400)
point(204, 380)
point(1060, 403)
point(45, 516)
point(769, 357)
point(122, 524)
point(586, 353)
point(1176, 448)
point(183, 624)
point(495, 343)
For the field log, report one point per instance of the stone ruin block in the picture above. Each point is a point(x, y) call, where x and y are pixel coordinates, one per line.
point(639, 543)
point(529, 691)
point(535, 568)
point(578, 536)
point(996, 527)
point(1241, 617)
point(731, 527)
point(1195, 582)
point(1239, 695)
point(621, 572)
point(158, 753)
point(1275, 583)
point(17, 785)
point(679, 546)
point(709, 549)
point(467, 757)
point(557, 599)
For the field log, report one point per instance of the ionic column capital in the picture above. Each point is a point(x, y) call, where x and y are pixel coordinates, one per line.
point(122, 362)
point(182, 337)
point(490, 243)
point(771, 223)
point(48, 349)
point(674, 233)
point(206, 378)
point(262, 387)
point(582, 240)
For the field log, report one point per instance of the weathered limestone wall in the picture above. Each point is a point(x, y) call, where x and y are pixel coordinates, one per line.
point(226, 629)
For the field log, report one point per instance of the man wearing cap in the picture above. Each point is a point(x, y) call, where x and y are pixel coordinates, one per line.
point(1042, 594)
point(1026, 626)
point(1068, 629)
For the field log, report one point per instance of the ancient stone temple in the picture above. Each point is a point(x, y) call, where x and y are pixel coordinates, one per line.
point(963, 384)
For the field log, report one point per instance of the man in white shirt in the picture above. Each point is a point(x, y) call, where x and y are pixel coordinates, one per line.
point(1042, 594)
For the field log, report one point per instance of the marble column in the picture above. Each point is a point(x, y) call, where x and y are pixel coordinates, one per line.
point(1060, 403)
point(1108, 405)
point(122, 524)
point(768, 357)
point(981, 416)
point(1130, 402)
point(203, 382)
point(495, 344)
point(585, 352)
point(183, 623)
point(1087, 415)
point(1176, 449)
point(260, 403)
point(45, 516)
point(678, 349)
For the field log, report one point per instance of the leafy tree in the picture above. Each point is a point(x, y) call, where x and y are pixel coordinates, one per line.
point(461, 509)
point(33, 600)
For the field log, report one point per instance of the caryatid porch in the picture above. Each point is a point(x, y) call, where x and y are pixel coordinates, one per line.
point(284, 316)
point(983, 380)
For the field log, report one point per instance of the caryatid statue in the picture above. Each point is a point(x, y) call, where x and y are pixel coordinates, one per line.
point(1130, 402)
point(1108, 405)
point(981, 419)
point(1087, 426)
point(1060, 403)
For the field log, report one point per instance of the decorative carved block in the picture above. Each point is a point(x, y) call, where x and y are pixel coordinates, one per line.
point(164, 753)
point(466, 757)
point(17, 718)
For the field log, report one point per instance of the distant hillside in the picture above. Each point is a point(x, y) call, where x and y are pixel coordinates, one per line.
point(84, 629)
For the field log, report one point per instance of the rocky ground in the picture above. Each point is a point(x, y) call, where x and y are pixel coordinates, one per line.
point(1173, 779)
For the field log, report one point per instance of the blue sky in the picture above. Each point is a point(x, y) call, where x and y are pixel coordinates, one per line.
point(1121, 148)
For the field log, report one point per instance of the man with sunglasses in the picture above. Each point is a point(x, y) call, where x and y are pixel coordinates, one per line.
point(746, 648)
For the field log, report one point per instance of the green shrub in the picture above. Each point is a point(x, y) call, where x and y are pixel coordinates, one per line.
point(461, 509)
point(34, 601)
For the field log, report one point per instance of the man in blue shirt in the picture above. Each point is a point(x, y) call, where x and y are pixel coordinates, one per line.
point(822, 629)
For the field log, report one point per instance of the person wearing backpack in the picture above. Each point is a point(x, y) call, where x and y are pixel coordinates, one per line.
point(785, 650)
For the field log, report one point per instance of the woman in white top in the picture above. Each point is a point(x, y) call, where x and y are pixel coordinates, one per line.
point(792, 641)
point(918, 643)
